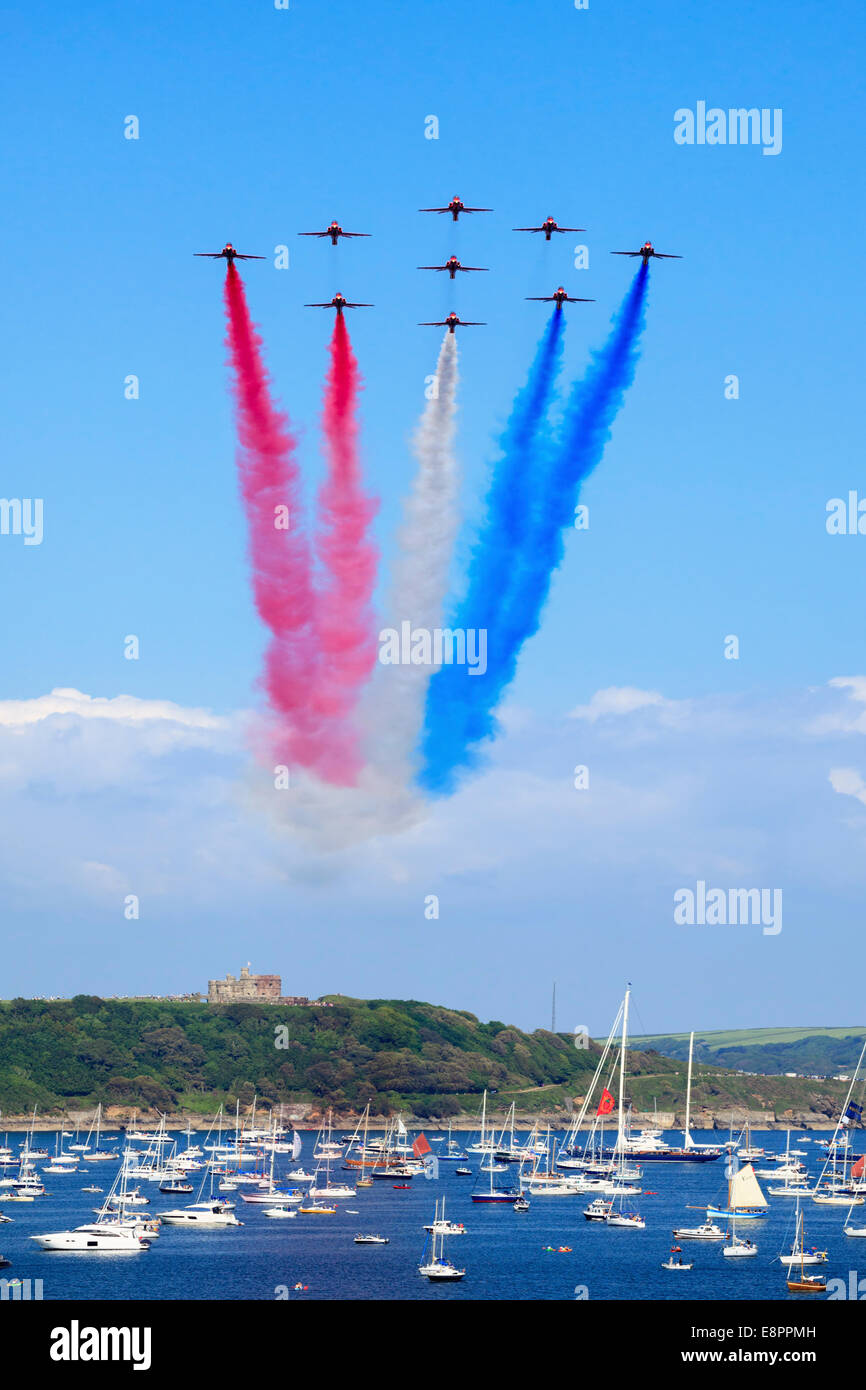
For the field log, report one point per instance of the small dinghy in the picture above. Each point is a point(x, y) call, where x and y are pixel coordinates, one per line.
point(675, 1259)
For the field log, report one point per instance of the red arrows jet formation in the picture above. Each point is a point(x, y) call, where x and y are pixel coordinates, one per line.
point(646, 251)
point(452, 321)
point(455, 207)
point(334, 231)
point(548, 226)
point(559, 297)
point(229, 254)
point(339, 302)
point(452, 265)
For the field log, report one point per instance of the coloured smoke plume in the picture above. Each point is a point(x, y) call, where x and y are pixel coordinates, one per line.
point(278, 552)
point(460, 713)
point(451, 705)
point(425, 546)
point(344, 615)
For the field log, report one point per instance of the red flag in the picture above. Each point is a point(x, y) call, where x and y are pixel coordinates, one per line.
point(421, 1147)
point(859, 1167)
point(606, 1103)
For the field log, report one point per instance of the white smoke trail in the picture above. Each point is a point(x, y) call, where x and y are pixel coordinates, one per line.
point(384, 802)
point(420, 577)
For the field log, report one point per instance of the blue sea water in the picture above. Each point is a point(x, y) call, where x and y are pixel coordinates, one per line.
point(503, 1251)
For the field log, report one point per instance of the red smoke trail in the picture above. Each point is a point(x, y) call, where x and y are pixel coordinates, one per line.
point(345, 622)
point(278, 550)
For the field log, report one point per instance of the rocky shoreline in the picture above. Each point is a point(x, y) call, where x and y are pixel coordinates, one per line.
point(307, 1117)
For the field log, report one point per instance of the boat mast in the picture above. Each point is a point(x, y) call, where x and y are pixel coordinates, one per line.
point(622, 1054)
point(687, 1131)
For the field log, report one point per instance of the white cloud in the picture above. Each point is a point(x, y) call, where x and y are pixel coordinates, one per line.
point(847, 718)
point(618, 700)
point(848, 782)
point(856, 684)
point(128, 709)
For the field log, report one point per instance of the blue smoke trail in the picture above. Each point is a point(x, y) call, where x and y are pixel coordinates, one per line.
point(460, 707)
point(448, 723)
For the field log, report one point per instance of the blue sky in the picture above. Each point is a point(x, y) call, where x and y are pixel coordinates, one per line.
point(707, 515)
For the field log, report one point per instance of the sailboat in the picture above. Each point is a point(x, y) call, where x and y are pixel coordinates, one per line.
point(843, 1189)
point(798, 1280)
point(61, 1162)
point(437, 1267)
point(364, 1180)
point(486, 1143)
point(747, 1152)
point(97, 1155)
point(452, 1152)
point(618, 1216)
point(746, 1201)
point(792, 1172)
point(271, 1195)
point(738, 1247)
point(326, 1146)
point(491, 1193)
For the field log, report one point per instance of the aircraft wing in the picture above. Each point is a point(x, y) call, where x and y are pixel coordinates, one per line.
point(435, 209)
point(541, 298)
point(625, 253)
point(474, 323)
point(356, 234)
point(431, 267)
point(473, 267)
point(358, 306)
point(329, 305)
point(239, 257)
point(569, 229)
point(476, 209)
point(527, 229)
point(667, 256)
point(215, 255)
point(316, 234)
point(432, 323)
point(579, 300)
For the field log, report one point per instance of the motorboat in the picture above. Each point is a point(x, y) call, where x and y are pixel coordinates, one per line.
point(598, 1209)
point(679, 1262)
point(372, 1240)
point(210, 1213)
point(97, 1237)
point(708, 1230)
point(446, 1228)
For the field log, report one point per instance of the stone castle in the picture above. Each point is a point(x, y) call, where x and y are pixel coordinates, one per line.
point(251, 989)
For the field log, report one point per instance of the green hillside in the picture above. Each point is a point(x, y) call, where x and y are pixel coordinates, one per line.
point(405, 1055)
point(396, 1054)
point(770, 1051)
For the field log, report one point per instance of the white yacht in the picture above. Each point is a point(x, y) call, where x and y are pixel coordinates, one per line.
point(201, 1214)
point(708, 1230)
point(98, 1237)
point(436, 1266)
